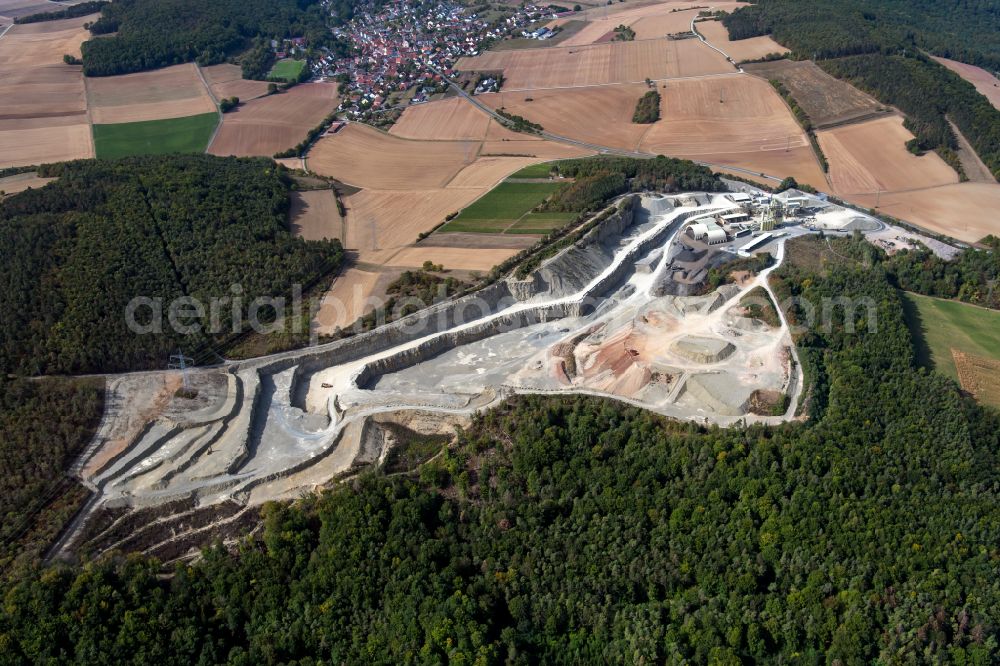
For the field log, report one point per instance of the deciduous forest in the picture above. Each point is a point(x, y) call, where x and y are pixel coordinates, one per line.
point(157, 33)
point(78, 250)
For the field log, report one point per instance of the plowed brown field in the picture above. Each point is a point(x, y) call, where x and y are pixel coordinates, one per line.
point(872, 156)
point(274, 123)
point(732, 121)
point(827, 101)
point(742, 49)
point(227, 81)
point(171, 92)
point(43, 112)
point(612, 62)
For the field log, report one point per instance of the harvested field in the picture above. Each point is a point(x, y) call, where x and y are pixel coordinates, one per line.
point(21, 182)
point(750, 128)
point(966, 211)
point(942, 327)
point(607, 109)
point(452, 258)
point(872, 156)
point(12, 9)
point(497, 132)
point(314, 215)
point(614, 62)
point(365, 157)
point(274, 123)
point(23, 147)
point(985, 83)
point(41, 92)
point(549, 150)
point(742, 49)
point(350, 296)
point(227, 81)
point(453, 118)
point(828, 101)
point(658, 26)
point(486, 172)
point(43, 115)
point(979, 376)
point(171, 92)
point(603, 21)
point(45, 43)
point(381, 220)
point(569, 30)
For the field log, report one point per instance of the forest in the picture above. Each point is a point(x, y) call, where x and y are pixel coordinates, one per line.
point(43, 426)
point(577, 530)
point(667, 174)
point(78, 250)
point(157, 33)
point(879, 47)
point(71, 11)
point(647, 109)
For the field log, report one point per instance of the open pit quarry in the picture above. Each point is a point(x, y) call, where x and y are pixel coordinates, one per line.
point(598, 318)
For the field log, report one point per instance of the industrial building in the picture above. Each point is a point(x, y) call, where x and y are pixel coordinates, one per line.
point(708, 232)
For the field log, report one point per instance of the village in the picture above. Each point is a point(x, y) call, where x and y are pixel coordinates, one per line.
point(396, 47)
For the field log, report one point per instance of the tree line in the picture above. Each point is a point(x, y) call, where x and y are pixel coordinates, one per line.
point(71, 11)
point(78, 250)
point(577, 530)
point(158, 33)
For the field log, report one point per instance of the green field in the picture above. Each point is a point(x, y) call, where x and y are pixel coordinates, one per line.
point(938, 326)
point(155, 137)
point(507, 209)
point(287, 69)
point(534, 171)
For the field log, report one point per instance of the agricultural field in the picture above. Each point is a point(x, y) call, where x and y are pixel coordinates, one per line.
point(985, 83)
point(505, 207)
point(155, 137)
point(274, 123)
point(314, 215)
point(171, 92)
point(548, 150)
point(20, 182)
point(453, 118)
point(827, 101)
point(227, 80)
point(742, 49)
point(607, 109)
point(943, 327)
point(658, 17)
point(486, 172)
point(12, 9)
point(569, 29)
point(43, 115)
point(287, 69)
point(365, 157)
point(658, 26)
point(732, 121)
point(966, 211)
point(871, 156)
point(598, 64)
point(452, 258)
